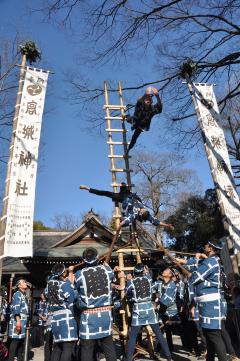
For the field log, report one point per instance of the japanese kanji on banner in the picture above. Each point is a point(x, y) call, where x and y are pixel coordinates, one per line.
point(19, 223)
point(219, 158)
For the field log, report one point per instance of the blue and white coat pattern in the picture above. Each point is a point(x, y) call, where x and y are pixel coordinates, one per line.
point(61, 297)
point(180, 289)
point(207, 281)
point(139, 291)
point(131, 211)
point(94, 287)
point(48, 323)
point(42, 311)
point(191, 266)
point(5, 310)
point(18, 307)
point(168, 299)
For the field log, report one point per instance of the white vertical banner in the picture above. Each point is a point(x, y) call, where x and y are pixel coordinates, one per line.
point(216, 147)
point(20, 210)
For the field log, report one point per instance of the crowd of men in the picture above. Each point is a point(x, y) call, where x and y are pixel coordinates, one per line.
point(77, 310)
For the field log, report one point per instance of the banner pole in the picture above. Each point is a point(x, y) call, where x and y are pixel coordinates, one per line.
point(7, 181)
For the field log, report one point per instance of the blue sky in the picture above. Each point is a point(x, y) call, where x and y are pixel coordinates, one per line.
point(70, 155)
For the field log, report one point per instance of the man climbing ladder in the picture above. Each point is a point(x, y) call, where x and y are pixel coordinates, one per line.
point(143, 114)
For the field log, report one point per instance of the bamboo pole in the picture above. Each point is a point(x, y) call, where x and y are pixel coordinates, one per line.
point(10, 288)
point(136, 240)
point(9, 166)
point(104, 255)
point(115, 238)
point(164, 250)
point(177, 252)
point(123, 313)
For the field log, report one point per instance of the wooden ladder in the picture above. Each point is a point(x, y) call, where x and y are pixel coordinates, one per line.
point(117, 141)
point(117, 138)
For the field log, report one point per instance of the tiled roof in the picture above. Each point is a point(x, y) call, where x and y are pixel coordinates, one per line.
point(65, 245)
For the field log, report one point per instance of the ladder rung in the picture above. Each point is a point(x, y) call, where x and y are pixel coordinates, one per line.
point(126, 268)
point(118, 143)
point(119, 184)
point(130, 250)
point(117, 156)
point(120, 170)
point(109, 106)
point(116, 130)
point(114, 118)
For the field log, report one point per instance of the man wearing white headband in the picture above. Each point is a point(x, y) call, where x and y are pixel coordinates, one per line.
point(167, 294)
point(139, 290)
point(19, 312)
point(207, 281)
point(93, 284)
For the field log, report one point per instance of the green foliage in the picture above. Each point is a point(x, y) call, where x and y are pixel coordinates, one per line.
point(39, 226)
point(196, 220)
point(31, 51)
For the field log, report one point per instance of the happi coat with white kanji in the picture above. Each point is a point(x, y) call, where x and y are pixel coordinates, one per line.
point(93, 284)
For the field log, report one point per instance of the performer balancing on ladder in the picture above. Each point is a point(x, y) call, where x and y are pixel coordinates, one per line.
point(143, 114)
point(133, 210)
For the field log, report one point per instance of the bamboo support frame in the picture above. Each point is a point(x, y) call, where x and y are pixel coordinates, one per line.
point(114, 170)
point(164, 250)
point(124, 312)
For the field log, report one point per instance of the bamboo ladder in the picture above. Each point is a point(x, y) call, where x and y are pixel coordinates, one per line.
point(117, 139)
point(125, 309)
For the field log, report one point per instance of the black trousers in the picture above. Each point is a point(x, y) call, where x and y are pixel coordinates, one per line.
point(48, 345)
point(200, 332)
point(168, 331)
point(41, 335)
point(215, 345)
point(16, 349)
point(190, 340)
point(106, 344)
point(227, 340)
point(135, 136)
point(63, 351)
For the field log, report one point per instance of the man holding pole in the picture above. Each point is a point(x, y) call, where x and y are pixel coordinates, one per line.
point(139, 292)
point(61, 297)
point(93, 284)
point(207, 282)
